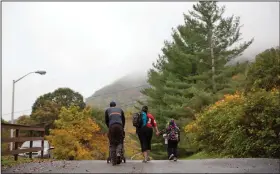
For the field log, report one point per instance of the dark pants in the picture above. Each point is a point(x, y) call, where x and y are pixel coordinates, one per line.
point(145, 137)
point(115, 136)
point(140, 139)
point(122, 147)
point(172, 148)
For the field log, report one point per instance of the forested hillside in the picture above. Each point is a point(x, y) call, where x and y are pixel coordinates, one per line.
point(125, 91)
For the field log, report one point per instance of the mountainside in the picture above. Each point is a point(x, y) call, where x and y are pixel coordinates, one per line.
point(125, 91)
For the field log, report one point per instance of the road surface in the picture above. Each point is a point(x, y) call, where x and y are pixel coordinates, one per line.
point(155, 166)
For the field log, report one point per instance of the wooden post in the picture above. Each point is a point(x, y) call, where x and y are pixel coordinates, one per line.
point(16, 145)
point(42, 144)
point(31, 144)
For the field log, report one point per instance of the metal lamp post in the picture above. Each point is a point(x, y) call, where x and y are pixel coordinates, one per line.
point(13, 100)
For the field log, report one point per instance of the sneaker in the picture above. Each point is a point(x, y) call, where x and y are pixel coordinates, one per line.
point(171, 156)
point(148, 159)
point(175, 159)
point(145, 160)
point(108, 160)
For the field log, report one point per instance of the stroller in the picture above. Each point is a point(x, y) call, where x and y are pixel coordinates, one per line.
point(122, 157)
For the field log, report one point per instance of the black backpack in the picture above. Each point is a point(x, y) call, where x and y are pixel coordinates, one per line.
point(137, 120)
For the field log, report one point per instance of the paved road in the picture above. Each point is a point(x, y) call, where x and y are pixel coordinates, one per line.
point(156, 166)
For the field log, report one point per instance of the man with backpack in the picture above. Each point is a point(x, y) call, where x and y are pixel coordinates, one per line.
point(115, 121)
point(173, 136)
point(144, 123)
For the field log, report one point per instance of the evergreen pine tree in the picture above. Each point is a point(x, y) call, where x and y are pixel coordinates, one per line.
point(191, 73)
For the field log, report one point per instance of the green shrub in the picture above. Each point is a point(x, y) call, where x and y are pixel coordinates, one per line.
point(240, 126)
point(261, 123)
point(265, 71)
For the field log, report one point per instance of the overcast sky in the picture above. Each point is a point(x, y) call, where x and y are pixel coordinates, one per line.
point(86, 46)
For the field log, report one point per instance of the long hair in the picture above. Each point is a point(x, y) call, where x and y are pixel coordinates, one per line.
point(145, 109)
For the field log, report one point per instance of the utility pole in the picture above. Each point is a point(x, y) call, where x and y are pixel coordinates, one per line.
point(12, 117)
point(13, 101)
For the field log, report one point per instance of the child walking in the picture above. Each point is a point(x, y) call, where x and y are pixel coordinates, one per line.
point(173, 136)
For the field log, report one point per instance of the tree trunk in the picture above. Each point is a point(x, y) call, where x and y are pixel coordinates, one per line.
point(213, 61)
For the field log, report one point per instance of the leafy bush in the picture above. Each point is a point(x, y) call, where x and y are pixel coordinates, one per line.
point(265, 72)
point(240, 126)
point(261, 122)
point(99, 117)
point(77, 136)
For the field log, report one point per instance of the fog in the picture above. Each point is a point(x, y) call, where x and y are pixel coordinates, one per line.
point(87, 45)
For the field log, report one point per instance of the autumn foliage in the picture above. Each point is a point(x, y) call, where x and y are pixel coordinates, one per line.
point(131, 143)
point(77, 136)
point(240, 126)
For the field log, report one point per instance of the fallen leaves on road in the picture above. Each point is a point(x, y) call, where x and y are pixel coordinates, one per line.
point(8, 161)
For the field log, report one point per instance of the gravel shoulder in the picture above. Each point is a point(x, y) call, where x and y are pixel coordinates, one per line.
point(244, 165)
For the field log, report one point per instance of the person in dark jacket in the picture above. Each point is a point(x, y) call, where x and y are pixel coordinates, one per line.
point(115, 121)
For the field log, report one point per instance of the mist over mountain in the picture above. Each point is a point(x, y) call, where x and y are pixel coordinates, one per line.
point(124, 91)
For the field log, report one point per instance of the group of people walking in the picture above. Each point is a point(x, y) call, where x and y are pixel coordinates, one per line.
point(144, 123)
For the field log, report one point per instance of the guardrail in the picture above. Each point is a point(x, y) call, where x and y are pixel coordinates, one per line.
point(16, 140)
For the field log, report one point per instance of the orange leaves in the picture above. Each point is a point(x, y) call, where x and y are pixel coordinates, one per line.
point(237, 97)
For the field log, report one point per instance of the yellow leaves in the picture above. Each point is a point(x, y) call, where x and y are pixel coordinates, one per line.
point(237, 97)
point(233, 97)
point(129, 128)
point(188, 128)
point(192, 127)
point(131, 146)
point(83, 153)
point(228, 98)
point(77, 135)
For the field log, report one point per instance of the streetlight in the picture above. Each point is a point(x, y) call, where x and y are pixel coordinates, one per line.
point(13, 100)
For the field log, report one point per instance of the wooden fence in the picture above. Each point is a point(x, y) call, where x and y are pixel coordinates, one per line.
point(16, 139)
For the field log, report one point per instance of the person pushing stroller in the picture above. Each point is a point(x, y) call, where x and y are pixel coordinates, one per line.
point(115, 121)
point(122, 151)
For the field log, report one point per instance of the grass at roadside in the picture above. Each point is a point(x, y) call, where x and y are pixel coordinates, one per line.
point(201, 155)
point(8, 161)
point(132, 146)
